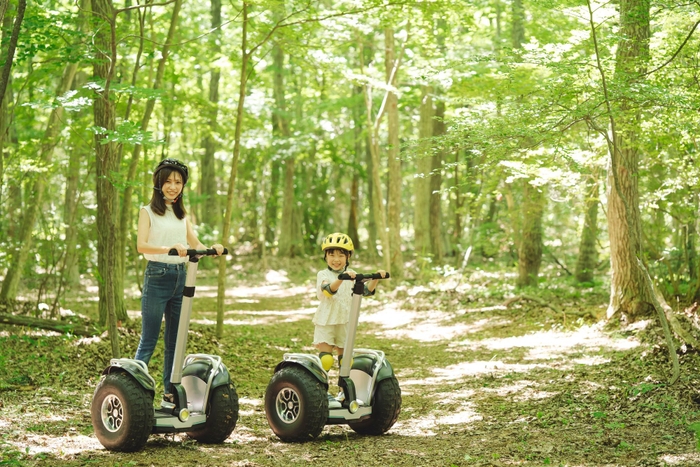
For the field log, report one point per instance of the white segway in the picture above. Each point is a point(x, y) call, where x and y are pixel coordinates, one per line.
point(296, 400)
point(205, 402)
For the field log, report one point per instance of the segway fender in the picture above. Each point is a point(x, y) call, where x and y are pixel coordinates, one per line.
point(309, 366)
point(385, 372)
point(135, 368)
point(221, 378)
point(201, 369)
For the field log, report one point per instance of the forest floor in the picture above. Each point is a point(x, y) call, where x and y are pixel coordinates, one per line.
point(486, 380)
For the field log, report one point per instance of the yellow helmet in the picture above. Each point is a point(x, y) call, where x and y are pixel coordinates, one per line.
point(337, 240)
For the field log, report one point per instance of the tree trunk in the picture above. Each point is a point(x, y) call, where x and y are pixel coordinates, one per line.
point(208, 186)
point(587, 252)
point(221, 281)
point(421, 184)
point(70, 275)
point(436, 228)
point(272, 202)
point(287, 244)
point(530, 250)
point(6, 104)
point(49, 324)
point(31, 210)
point(106, 165)
point(12, 46)
point(355, 202)
point(394, 158)
point(126, 210)
point(9, 41)
point(629, 294)
point(288, 226)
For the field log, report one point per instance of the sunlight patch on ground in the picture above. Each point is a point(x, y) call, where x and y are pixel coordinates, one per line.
point(429, 425)
point(68, 444)
point(546, 345)
point(249, 401)
point(430, 329)
point(270, 290)
point(681, 459)
point(255, 317)
point(428, 332)
point(462, 370)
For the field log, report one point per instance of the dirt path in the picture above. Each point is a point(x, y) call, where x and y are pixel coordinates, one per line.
point(481, 384)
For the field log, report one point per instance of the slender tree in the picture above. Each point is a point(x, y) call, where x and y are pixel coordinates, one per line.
point(106, 163)
point(587, 255)
point(421, 182)
point(38, 187)
point(391, 64)
point(208, 186)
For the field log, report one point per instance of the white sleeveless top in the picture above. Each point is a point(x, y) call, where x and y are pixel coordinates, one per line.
point(166, 230)
point(336, 309)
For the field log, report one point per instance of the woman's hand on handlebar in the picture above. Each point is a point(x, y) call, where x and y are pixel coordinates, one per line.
point(181, 249)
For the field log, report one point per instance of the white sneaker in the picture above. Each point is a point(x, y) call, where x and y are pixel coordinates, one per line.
point(333, 403)
point(341, 396)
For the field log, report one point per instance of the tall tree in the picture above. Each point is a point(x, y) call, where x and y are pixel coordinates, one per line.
point(10, 24)
point(391, 65)
point(287, 240)
point(630, 295)
point(587, 255)
point(126, 208)
point(530, 246)
point(208, 185)
point(106, 163)
point(421, 182)
point(530, 242)
point(435, 186)
point(38, 187)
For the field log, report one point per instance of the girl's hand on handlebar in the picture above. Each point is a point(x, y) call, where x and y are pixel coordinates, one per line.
point(382, 273)
point(219, 249)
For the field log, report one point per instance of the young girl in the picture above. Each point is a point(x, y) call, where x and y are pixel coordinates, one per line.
point(333, 311)
point(162, 227)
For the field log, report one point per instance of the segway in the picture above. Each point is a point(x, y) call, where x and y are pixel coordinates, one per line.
point(297, 404)
point(205, 404)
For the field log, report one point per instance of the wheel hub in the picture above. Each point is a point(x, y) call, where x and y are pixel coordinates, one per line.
point(288, 405)
point(112, 412)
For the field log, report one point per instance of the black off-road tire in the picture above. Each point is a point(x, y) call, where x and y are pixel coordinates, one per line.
point(122, 413)
point(385, 409)
point(222, 415)
point(296, 404)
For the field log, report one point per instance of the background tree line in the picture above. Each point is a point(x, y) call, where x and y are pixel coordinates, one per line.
point(508, 133)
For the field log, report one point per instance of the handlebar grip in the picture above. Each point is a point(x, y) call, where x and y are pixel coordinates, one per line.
point(193, 252)
point(360, 277)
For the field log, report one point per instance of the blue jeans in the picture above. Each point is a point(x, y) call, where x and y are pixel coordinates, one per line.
point(162, 296)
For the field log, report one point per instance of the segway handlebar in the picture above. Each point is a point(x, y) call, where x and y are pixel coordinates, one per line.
point(362, 277)
point(193, 252)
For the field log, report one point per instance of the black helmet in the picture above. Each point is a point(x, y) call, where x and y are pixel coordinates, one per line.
point(173, 164)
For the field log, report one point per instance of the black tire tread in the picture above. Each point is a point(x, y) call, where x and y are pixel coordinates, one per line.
point(222, 416)
point(139, 403)
point(385, 409)
point(315, 396)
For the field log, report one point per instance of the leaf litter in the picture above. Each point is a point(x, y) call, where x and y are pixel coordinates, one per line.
point(482, 384)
